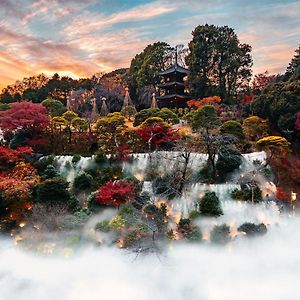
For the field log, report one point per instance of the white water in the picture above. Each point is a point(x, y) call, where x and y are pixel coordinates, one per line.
point(69, 169)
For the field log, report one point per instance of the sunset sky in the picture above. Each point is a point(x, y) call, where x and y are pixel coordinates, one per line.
point(82, 37)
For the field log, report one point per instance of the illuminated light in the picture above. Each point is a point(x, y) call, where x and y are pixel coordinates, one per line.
point(205, 235)
point(139, 177)
point(120, 243)
point(22, 224)
point(293, 196)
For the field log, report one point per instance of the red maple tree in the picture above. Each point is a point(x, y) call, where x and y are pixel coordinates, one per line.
point(24, 115)
point(9, 157)
point(115, 193)
point(157, 135)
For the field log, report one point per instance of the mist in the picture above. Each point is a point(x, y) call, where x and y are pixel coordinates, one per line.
point(264, 267)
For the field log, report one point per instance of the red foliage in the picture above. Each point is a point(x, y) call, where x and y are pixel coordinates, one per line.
point(158, 134)
point(123, 152)
point(261, 81)
point(24, 115)
point(281, 194)
point(297, 124)
point(214, 100)
point(248, 99)
point(9, 157)
point(115, 193)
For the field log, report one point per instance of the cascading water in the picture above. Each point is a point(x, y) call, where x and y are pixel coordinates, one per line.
point(68, 168)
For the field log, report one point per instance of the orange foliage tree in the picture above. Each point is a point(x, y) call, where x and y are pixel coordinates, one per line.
point(213, 100)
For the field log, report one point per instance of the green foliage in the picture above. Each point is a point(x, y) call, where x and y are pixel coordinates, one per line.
point(50, 172)
point(194, 214)
point(83, 181)
point(251, 229)
point(166, 114)
point(234, 128)
point(279, 103)
point(4, 106)
point(54, 107)
point(145, 66)
point(293, 70)
point(55, 191)
point(247, 193)
point(255, 127)
point(129, 111)
point(272, 143)
point(210, 205)
point(76, 158)
point(220, 234)
point(69, 116)
point(166, 185)
point(80, 124)
point(76, 220)
point(219, 64)
point(229, 159)
point(205, 117)
point(103, 226)
point(154, 121)
point(144, 114)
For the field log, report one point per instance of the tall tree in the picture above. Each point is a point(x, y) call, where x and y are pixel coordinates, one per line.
point(219, 64)
point(293, 69)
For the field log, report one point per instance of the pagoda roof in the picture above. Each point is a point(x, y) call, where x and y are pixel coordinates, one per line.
point(174, 69)
point(171, 83)
point(173, 96)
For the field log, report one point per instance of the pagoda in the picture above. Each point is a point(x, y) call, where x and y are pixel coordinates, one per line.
point(174, 95)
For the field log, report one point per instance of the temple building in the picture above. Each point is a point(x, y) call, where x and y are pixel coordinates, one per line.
point(174, 95)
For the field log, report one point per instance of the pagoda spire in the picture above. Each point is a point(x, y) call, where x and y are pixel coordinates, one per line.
point(104, 109)
point(95, 113)
point(127, 99)
point(153, 101)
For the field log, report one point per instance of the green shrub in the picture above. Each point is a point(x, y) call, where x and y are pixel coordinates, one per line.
point(50, 172)
point(210, 205)
point(103, 226)
point(234, 128)
point(76, 158)
point(229, 159)
point(194, 214)
point(83, 181)
point(251, 229)
point(220, 234)
point(55, 191)
point(76, 220)
point(248, 192)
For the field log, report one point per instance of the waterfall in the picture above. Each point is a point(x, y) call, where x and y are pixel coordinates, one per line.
point(71, 169)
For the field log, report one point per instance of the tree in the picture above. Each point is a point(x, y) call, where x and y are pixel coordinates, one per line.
point(16, 189)
point(80, 124)
point(279, 103)
point(10, 157)
point(154, 121)
point(108, 128)
point(293, 70)
point(261, 81)
point(219, 64)
point(24, 115)
point(274, 145)
point(206, 119)
point(145, 66)
point(234, 128)
point(220, 234)
point(210, 205)
point(158, 135)
point(255, 127)
point(115, 193)
point(54, 107)
point(229, 159)
point(54, 191)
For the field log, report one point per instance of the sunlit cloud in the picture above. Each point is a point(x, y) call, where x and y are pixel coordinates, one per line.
point(80, 38)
